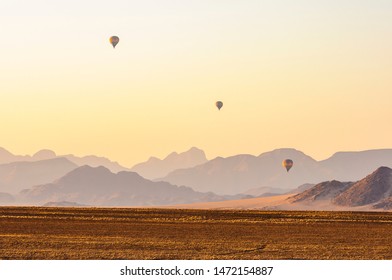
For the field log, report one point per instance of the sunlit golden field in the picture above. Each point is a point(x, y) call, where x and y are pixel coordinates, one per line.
point(103, 233)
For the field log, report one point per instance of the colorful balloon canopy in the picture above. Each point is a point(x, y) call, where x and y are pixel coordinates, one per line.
point(114, 41)
point(287, 163)
point(219, 104)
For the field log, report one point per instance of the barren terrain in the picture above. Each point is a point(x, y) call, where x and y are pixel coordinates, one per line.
point(121, 233)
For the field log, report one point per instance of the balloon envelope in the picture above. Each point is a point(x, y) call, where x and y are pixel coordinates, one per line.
point(219, 104)
point(287, 163)
point(114, 41)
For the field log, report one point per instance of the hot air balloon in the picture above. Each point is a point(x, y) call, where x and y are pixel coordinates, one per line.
point(219, 104)
point(287, 163)
point(114, 41)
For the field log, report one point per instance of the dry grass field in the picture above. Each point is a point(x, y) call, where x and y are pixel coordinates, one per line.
point(104, 233)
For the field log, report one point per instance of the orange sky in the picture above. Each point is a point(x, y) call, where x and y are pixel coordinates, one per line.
point(312, 76)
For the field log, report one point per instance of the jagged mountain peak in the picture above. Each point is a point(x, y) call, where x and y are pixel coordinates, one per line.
point(156, 168)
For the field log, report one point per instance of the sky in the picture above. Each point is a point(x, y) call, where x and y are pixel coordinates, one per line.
point(309, 75)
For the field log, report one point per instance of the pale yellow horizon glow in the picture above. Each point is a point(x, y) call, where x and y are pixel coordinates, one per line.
point(310, 75)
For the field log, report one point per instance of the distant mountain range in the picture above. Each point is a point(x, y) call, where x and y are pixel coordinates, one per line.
point(94, 161)
point(46, 178)
point(150, 169)
point(240, 173)
point(156, 168)
point(7, 157)
point(17, 176)
point(352, 166)
point(98, 186)
point(372, 193)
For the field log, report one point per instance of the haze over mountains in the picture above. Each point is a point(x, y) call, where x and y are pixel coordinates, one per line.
point(351, 166)
point(372, 193)
point(157, 168)
point(46, 178)
point(94, 161)
point(7, 157)
point(99, 187)
point(238, 174)
point(17, 176)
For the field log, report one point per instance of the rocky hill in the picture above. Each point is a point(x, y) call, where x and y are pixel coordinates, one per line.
point(323, 191)
point(374, 188)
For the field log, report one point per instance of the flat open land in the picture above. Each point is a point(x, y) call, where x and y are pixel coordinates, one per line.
point(118, 233)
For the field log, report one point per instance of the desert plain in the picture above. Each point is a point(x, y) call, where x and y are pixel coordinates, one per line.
point(58, 233)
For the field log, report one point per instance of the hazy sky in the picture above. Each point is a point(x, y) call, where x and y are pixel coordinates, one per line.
point(312, 75)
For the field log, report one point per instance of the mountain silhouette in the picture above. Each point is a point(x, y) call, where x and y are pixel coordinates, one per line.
point(44, 154)
point(17, 176)
point(239, 173)
point(98, 186)
point(156, 168)
point(8, 157)
point(92, 160)
point(95, 161)
point(372, 193)
point(228, 176)
point(353, 166)
point(374, 188)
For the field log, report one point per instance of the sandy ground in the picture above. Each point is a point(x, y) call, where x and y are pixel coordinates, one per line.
point(59, 233)
point(279, 202)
